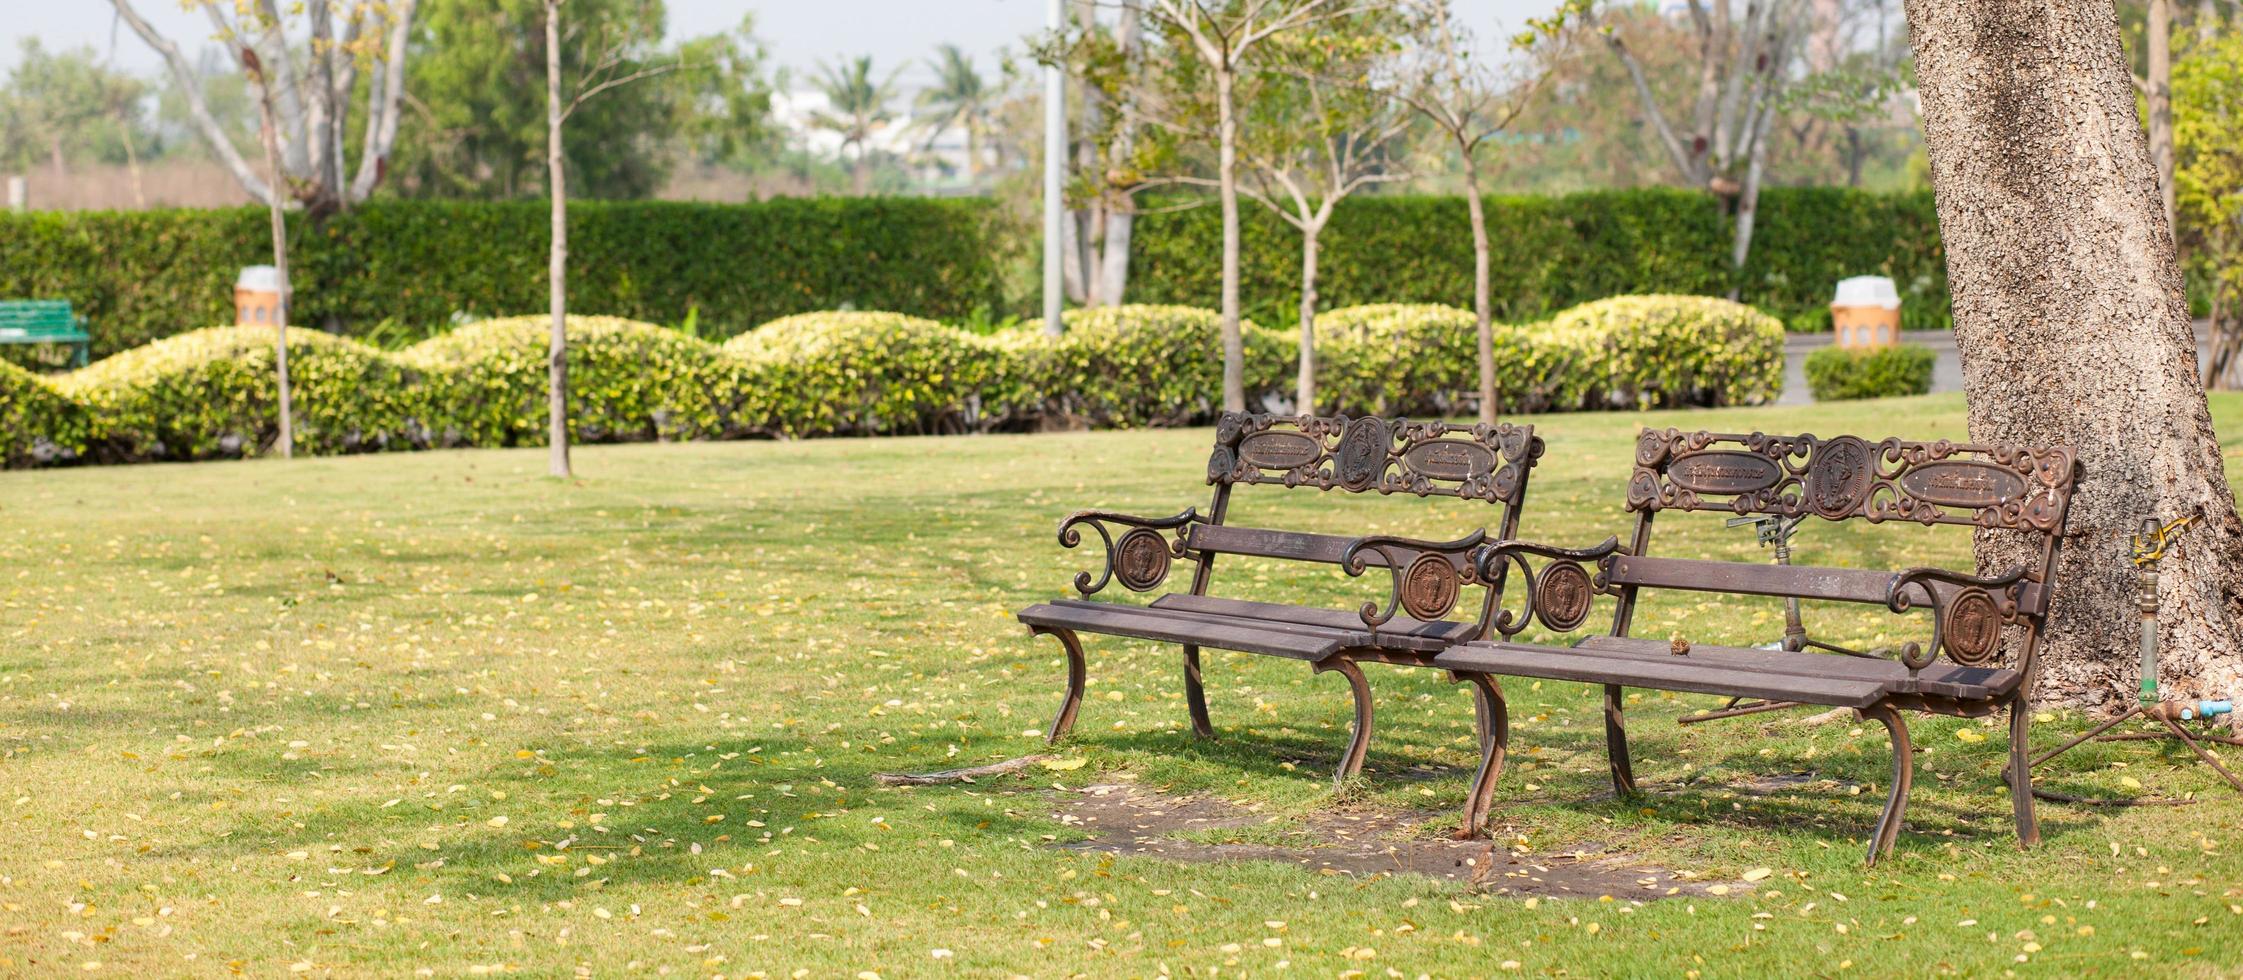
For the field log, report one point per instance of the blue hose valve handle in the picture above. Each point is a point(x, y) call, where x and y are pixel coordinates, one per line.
point(2214, 709)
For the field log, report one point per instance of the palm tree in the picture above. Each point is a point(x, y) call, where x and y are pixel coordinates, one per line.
point(855, 107)
point(958, 98)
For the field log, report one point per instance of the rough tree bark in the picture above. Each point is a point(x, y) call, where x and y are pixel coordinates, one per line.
point(2072, 326)
point(557, 262)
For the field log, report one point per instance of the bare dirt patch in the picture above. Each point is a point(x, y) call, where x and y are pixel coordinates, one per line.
point(1131, 820)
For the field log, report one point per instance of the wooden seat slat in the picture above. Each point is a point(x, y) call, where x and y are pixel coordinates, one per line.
point(1352, 637)
point(1674, 674)
point(1940, 679)
point(1134, 621)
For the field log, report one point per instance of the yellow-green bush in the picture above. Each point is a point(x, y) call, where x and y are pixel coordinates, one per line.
point(1151, 365)
point(628, 382)
point(38, 424)
point(213, 393)
point(850, 373)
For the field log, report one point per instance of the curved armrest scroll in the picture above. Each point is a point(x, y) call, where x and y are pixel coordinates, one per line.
point(1070, 535)
point(1565, 616)
point(1987, 603)
point(1399, 554)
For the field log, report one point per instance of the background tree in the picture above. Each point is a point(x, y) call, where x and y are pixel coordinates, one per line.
point(1470, 101)
point(856, 108)
point(62, 105)
point(606, 45)
point(1116, 89)
point(1221, 39)
point(2073, 327)
point(1320, 131)
point(268, 133)
point(2208, 138)
point(310, 81)
point(478, 126)
point(1742, 67)
point(959, 99)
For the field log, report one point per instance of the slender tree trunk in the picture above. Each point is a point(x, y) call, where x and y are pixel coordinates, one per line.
point(557, 262)
point(1306, 387)
point(2160, 98)
point(1113, 275)
point(267, 133)
point(1483, 303)
point(132, 164)
point(1748, 211)
point(2073, 328)
point(55, 158)
point(1234, 344)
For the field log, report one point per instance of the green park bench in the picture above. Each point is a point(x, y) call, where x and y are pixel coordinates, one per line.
point(45, 321)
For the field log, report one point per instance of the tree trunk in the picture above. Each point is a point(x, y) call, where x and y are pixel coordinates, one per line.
point(132, 163)
point(1306, 386)
point(1748, 210)
point(1234, 345)
point(2160, 99)
point(557, 262)
point(1113, 275)
point(267, 134)
point(2073, 328)
point(1483, 304)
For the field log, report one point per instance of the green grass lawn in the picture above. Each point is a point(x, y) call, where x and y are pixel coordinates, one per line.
point(437, 712)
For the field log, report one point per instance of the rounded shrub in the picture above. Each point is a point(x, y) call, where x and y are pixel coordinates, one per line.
point(214, 393)
point(628, 382)
point(865, 373)
point(1837, 373)
point(1138, 365)
point(1418, 359)
point(1664, 352)
point(38, 424)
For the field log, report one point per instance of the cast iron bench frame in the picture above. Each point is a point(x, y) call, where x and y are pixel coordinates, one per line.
point(1999, 490)
point(1365, 455)
point(45, 321)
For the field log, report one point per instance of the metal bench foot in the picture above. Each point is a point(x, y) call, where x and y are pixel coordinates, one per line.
point(1887, 832)
point(1616, 743)
point(1075, 675)
point(1495, 740)
point(1195, 695)
point(1358, 746)
point(2021, 773)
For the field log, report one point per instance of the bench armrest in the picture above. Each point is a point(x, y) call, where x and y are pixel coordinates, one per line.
point(1140, 557)
point(1966, 617)
point(1561, 595)
point(1430, 599)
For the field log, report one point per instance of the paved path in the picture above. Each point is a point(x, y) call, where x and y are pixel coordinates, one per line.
point(1946, 372)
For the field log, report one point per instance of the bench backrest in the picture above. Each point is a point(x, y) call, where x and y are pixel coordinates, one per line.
point(39, 317)
point(2023, 491)
point(1479, 462)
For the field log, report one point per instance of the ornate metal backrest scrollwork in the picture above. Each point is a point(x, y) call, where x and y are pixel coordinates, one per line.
point(1475, 462)
point(1561, 594)
point(1844, 477)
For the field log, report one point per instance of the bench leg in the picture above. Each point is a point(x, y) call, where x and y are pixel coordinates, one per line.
point(1076, 670)
point(1359, 745)
point(1195, 695)
point(2021, 772)
point(1616, 743)
point(1887, 831)
point(1495, 741)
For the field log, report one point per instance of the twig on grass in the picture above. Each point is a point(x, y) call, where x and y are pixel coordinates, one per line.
point(966, 775)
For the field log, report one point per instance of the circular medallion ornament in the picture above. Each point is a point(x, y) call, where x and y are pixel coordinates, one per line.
point(1361, 454)
point(1141, 559)
point(1973, 628)
point(1561, 596)
point(1838, 477)
point(1429, 587)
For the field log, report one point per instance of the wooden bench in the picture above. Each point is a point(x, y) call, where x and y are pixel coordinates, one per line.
point(2020, 495)
point(1367, 455)
point(45, 321)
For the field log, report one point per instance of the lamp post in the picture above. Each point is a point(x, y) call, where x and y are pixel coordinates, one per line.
point(1055, 156)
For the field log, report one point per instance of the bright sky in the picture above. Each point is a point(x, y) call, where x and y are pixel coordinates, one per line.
point(800, 33)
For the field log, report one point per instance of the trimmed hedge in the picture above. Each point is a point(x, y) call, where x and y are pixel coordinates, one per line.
point(39, 424)
point(139, 275)
point(211, 393)
point(1551, 253)
point(1837, 374)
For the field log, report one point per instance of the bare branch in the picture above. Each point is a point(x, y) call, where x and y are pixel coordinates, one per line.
point(198, 108)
